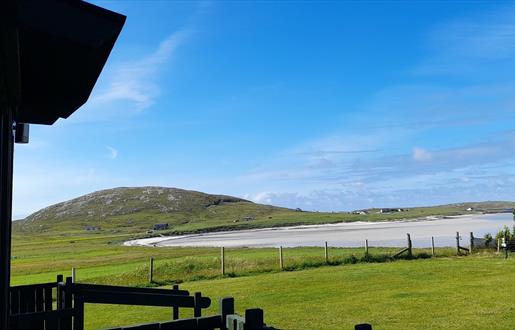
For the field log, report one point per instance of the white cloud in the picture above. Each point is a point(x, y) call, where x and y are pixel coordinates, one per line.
point(113, 152)
point(134, 81)
point(421, 155)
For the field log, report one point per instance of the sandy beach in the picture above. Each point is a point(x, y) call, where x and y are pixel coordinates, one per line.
point(392, 233)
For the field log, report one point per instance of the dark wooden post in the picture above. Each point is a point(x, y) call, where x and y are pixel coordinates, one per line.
point(226, 306)
point(505, 245)
point(432, 246)
point(410, 252)
point(197, 309)
point(281, 265)
point(78, 318)
point(175, 309)
point(6, 185)
point(471, 247)
point(326, 254)
point(366, 248)
point(254, 319)
point(151, 270)
point(457, 243)
point(66, 322)
point(222, 259)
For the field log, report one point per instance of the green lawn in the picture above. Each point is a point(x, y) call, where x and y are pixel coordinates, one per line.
point(446, 293)
point(98, 261)
point(472, 292)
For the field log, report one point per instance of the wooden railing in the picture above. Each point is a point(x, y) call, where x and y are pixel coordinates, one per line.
point(32, 306)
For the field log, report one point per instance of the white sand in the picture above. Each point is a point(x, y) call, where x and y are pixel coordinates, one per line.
point(346, 234)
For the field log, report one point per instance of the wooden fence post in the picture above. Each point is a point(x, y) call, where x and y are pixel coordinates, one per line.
point(498, 245)
point(457, 243)
point(471, 247)
point(74, 273)
point(222, 259)
point(326, 254)
point(505, 245)
point(432, 246)
point(151, 270)
point(410, 252)
point(281, 258)
point(254, 319)
point(226, 307)
point(175, 309)
point(366, 248)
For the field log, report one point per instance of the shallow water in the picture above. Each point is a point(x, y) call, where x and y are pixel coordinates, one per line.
point(348, 234)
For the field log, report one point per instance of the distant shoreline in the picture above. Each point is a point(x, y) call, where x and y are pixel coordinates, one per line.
point(346, 233)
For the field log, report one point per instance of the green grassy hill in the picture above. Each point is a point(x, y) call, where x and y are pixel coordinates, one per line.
point(134, 211)
point(138, 209)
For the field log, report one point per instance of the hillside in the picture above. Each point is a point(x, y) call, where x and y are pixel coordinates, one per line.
point(137, 210)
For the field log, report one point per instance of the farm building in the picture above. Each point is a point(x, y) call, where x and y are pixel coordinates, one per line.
point(160, 226)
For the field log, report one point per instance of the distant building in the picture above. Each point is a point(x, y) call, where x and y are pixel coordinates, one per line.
point(160, 226)
point(470, 209)
point(392, 210)
point(388, 210)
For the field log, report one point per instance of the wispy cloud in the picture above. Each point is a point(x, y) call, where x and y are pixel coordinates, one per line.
point(459, 45)
point(421, 155)
point(377, 158)
point(135, 81)
point(112, 152)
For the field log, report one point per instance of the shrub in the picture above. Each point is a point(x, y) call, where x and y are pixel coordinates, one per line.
point(488, 239)
point(505, 232)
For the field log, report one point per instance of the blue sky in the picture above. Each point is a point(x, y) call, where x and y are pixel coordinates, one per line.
point(317, 105)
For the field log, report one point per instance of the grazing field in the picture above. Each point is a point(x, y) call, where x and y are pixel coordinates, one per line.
point(445, 293)
point(472, 292)
point(103, 260)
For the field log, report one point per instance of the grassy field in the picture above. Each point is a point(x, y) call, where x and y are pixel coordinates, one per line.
point(445, 293)
point(470, 292)
point(99, 260)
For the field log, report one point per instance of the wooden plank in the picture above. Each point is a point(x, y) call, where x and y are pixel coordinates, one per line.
point(400, 252)
point(209, 322)
point(80, 287)
point(40, 298)
point(39, 285)
point(39, 307)
point(183, 324)
point(46, 315)
point(15, 301)
point(149, 326)
point(47, 298)
point(27, 300)
point(142, 299)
